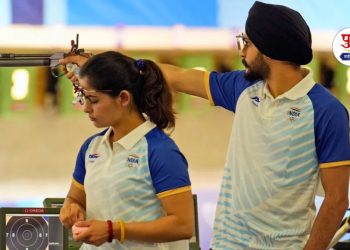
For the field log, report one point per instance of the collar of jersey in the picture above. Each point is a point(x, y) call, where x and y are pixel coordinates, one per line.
point(299, 90)
point(129, 140)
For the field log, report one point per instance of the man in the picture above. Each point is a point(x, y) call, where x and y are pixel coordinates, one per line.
point(288, 133)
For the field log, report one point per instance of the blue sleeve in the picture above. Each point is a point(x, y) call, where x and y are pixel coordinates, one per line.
point(79, 170)
point(331, 129)
point(225, 88)
point(168, 166)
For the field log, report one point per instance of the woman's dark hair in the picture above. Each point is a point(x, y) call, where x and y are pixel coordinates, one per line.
point(142, 78)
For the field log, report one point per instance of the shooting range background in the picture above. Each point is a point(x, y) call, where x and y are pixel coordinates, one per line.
point(40, 139)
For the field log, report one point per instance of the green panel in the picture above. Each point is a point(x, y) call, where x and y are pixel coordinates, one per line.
point(314, 65)
point(340, 81)
point(33, 84)
point(188, 102)
point(143, 55)
point(5, 90)
point(10, 107)
point(202, 60)
point(237, 63)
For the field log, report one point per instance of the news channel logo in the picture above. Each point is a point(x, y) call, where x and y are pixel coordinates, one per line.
point(341, 46)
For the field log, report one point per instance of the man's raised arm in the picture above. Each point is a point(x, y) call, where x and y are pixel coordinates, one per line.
point(189, 81)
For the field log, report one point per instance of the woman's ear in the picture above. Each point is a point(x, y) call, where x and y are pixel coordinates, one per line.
point(125, 98)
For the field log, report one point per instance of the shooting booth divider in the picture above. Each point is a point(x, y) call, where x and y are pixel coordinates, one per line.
point(58, 203)
point(17, 90)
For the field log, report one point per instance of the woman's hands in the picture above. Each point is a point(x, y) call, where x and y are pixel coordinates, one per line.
point(94, 232)
point(71, 213)
point(73, 209)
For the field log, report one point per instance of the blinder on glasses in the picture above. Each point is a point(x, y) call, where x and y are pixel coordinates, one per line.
point(80, 94)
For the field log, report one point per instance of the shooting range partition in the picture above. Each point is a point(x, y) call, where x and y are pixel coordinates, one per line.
point(8, 105)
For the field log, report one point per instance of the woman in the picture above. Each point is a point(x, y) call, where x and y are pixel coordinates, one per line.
point(130, 188)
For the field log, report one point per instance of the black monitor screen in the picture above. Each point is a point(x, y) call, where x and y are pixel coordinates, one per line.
point(31, 229)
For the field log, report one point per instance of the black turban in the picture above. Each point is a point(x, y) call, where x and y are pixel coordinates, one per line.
point(279, 33)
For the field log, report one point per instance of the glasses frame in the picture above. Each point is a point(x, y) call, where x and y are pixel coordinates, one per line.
point(242, 42)
point(80, 96)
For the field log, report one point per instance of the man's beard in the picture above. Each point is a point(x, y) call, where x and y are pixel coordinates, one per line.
point(258, 70)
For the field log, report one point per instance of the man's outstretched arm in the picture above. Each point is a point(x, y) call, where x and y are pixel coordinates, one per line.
point(189, 81)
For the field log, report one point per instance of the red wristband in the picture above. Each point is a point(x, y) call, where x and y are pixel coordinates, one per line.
point(110, 231)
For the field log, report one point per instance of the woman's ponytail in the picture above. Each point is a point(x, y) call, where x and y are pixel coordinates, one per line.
point(156, 97)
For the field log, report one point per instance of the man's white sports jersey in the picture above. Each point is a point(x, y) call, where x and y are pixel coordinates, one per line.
point(276, 148)
point(126, 182)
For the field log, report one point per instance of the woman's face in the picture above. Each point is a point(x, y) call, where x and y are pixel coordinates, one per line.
point(103, 109)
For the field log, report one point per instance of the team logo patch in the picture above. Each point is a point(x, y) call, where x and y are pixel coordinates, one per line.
point(293, 113)
point(93, 157)
point(133, 161)
point(255, 100)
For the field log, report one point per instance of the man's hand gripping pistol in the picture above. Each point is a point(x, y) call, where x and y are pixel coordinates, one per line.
point(47, 60)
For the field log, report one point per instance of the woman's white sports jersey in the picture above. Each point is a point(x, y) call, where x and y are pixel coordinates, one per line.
point(126, 182)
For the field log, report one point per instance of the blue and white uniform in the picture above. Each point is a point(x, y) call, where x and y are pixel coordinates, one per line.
point(126, 182)
point(276, 150)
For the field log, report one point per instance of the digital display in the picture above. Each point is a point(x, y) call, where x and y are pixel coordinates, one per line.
point(32, 231)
